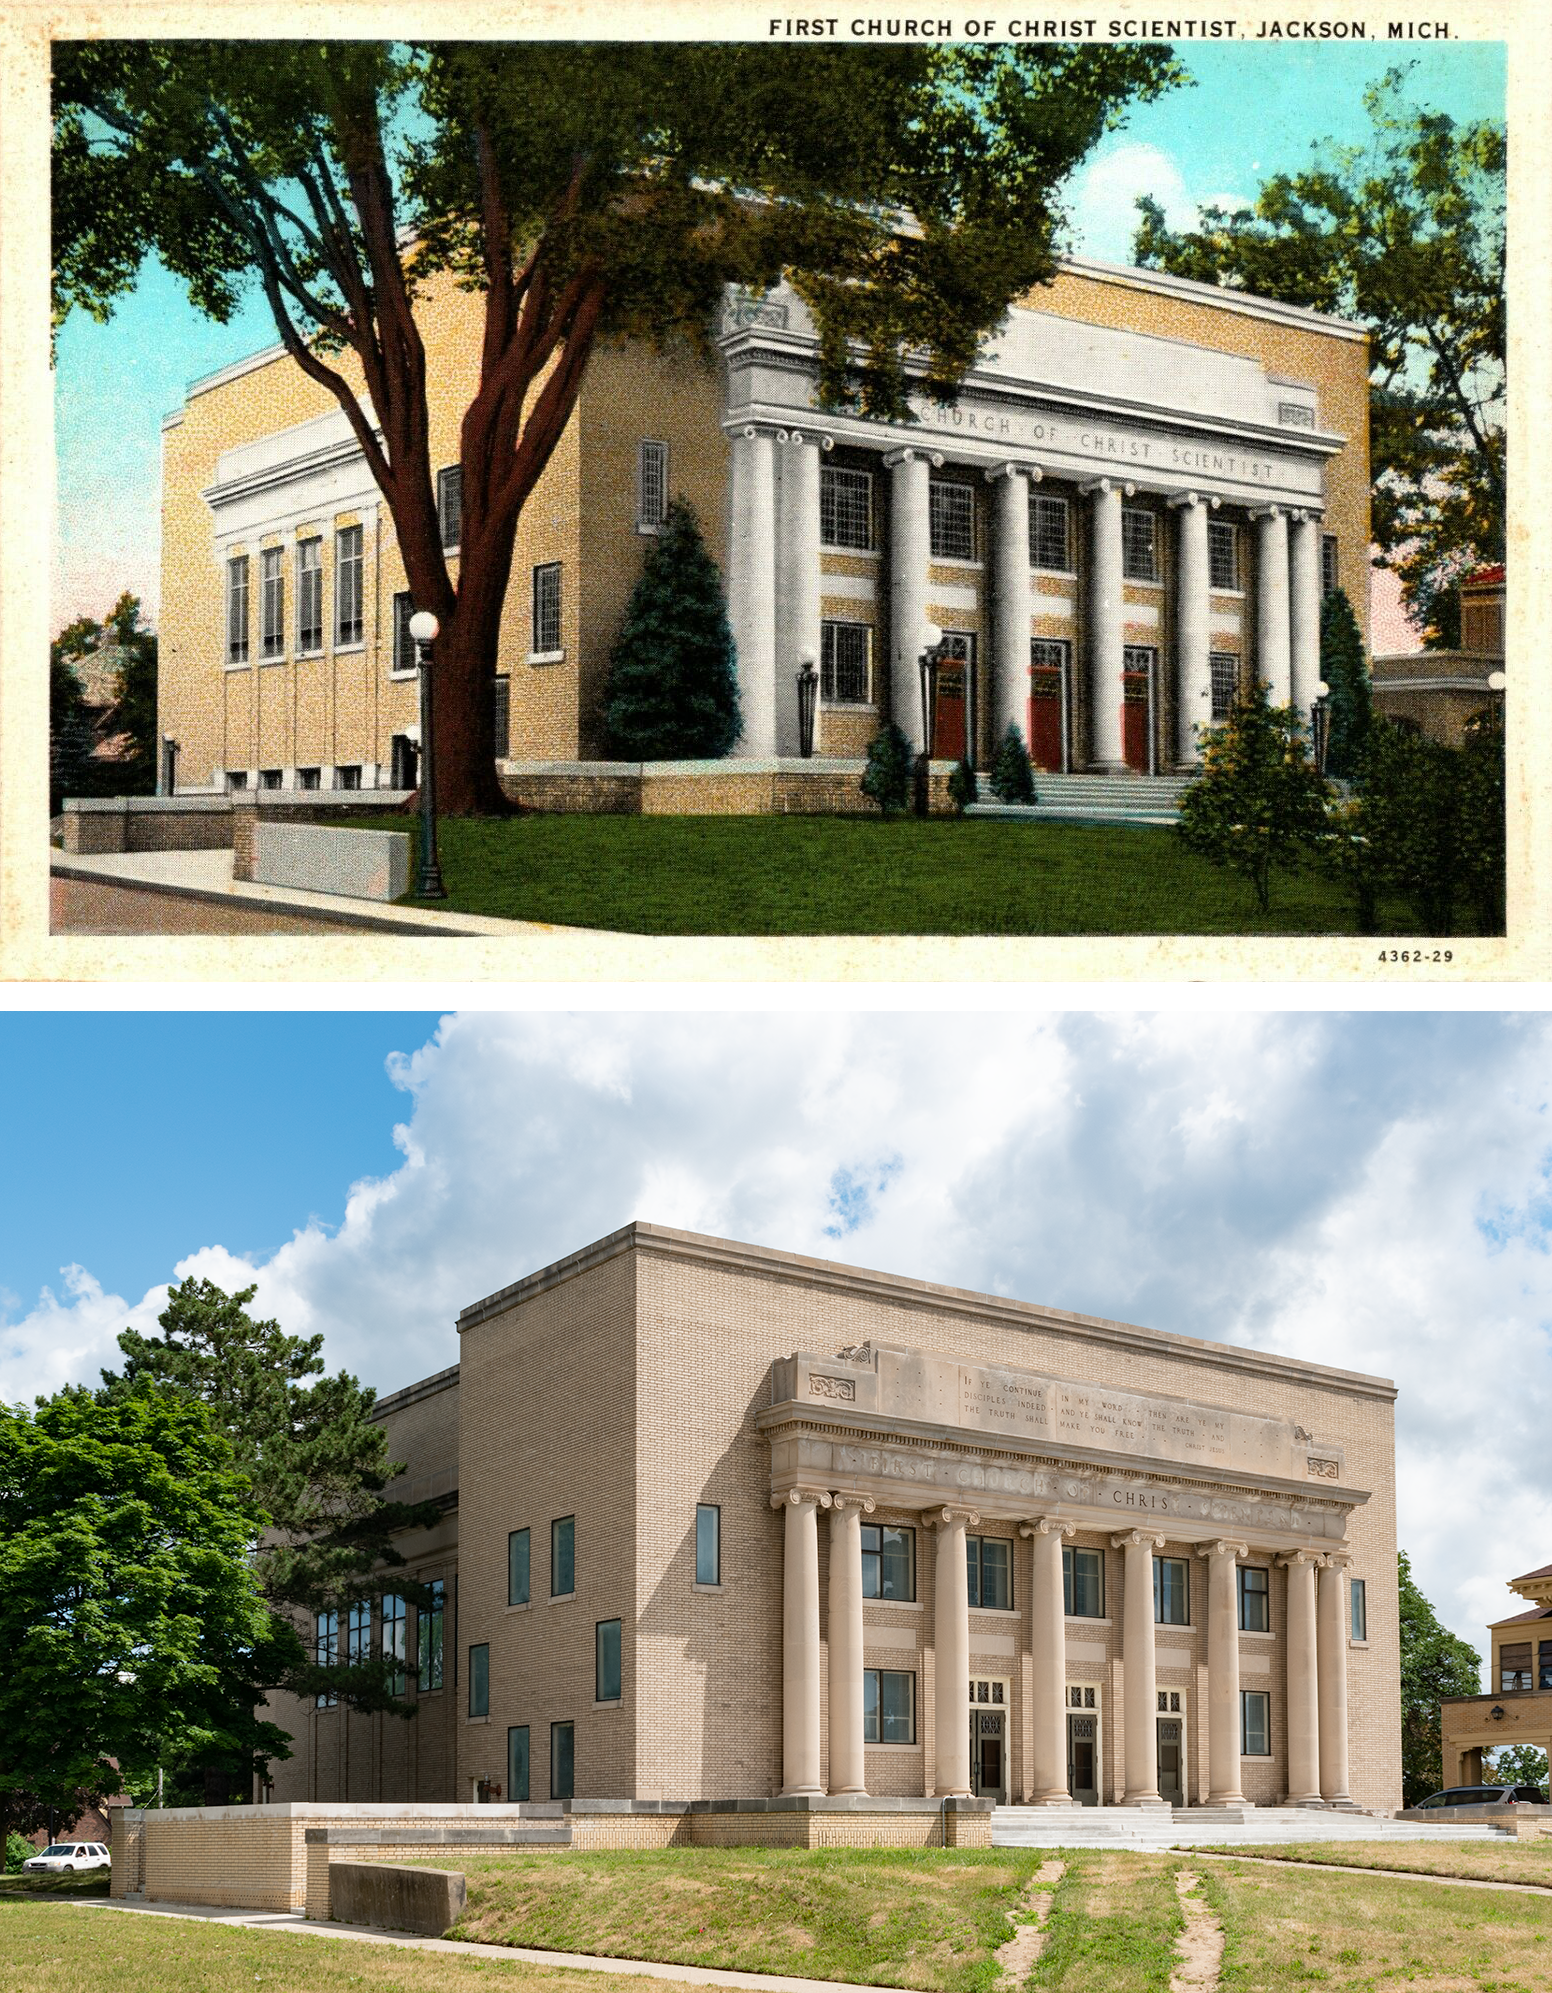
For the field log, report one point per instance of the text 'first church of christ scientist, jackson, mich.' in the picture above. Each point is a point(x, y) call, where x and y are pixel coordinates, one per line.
point(719, 1522)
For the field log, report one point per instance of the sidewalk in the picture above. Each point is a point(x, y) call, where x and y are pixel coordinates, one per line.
point(279, 1920)
point(1392, 1874)
point(193, 892)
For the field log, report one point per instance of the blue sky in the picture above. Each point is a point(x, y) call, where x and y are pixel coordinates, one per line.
point(1256, 109)
point(1368, 1191)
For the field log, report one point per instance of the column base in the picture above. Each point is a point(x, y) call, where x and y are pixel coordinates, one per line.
point(1153, 1802)
point(801, 1792)
point(1060, 1797)
point(1309, 1805)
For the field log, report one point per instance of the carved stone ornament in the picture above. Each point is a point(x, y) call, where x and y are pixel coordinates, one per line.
point(1324, 1470)
point(855, 1353)
point(1137, 1536)
point(843, 1388)
point(1048, 1526)
point(796, 1496)
point(1238, 1551)
point(864, 1502)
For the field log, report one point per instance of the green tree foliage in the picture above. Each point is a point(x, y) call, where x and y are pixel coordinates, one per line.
point(16, 1852)
point(891, 771)
point(132, 1626)
point(1344, 669)
point(70, 736)
point(961, 786)
point(1434, 1665)
point(1483, 854)
point(586, 190)
point(1258, 805)
point(72, 731)
point(1410, 816)
point(1406, 235)
point(316, 1460)
point(1520, 1764)
point(1012, 778)
point(673, 687)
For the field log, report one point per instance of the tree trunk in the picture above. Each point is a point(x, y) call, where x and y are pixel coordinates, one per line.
point(462, 670)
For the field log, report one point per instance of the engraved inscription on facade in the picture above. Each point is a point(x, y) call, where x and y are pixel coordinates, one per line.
point(1003, 1401)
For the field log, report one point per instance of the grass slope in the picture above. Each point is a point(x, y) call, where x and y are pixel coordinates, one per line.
point(1479, 1861)
point(1112, 1927)
point(886, 1917)
point(860, 875)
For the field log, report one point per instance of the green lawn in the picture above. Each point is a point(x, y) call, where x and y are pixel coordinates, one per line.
point(1480, 1861)
point(884, 1917)
point(864, 875)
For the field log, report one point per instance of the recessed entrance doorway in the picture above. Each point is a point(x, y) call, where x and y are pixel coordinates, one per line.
point(1172, 1747)
point(990, 1737)
point(1083, 1744)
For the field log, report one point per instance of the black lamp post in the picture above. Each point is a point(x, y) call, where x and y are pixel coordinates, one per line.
point(808, 700)
point(169, 765)
point(927, 664)
point(423, 629)
point(1320, 725)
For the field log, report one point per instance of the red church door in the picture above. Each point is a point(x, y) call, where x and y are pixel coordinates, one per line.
point(1137, 676)
point(1049, 707)
point(949, 732)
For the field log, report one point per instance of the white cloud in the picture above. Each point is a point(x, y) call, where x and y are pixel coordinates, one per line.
point(1367, 1191)
point(1102, 201)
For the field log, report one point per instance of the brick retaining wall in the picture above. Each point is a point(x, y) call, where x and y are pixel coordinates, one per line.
point(817, 787)
point(96, 824)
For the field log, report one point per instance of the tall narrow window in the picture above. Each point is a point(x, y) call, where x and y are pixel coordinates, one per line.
point(395, 1618)
point(430, 1624)
point(1253, 1600)
point(1330, 578)
point(846, 509)
point(888, 1562)
point(517, 1764)
point(1544, 1665)
point(1223, 666)
point(450, 504)
point(348, 586)
point(546, 609)
point(479, 1679)
point(501, 714)
point(888, 1706)
point(606, 1661)
point(651, 486)
point(272, 607)
point(563, 1557)
point(1048, 533)
point(309, 595)
point(1139, 545)
point(951, 521)
point(1255, 1723)
point(1514, 1667)
point(708, 1544)
point(1358, 1611)
point(1083, 1582)
point(517, 1567)
point(327, 1652)
point(358, 1632)
point(1171, 1591)
point(404, 658)
point(563, 1761)
point(845, 663)
point(990, 1572)
point(237, 609)
point(1222, 554)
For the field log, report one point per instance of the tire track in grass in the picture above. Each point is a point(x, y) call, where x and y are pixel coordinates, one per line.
point(1016, 1959)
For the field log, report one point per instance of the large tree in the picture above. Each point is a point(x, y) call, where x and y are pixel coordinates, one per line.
point(1435, 1665)
point(133, 1630)
point(1406, 235)
point(585, 190)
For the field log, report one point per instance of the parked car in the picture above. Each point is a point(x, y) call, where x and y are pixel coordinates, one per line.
point(65, 1857)
point(1485, 1795)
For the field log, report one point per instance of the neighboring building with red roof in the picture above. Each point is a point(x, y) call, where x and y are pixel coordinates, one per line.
point(1518, 1706)
point(1435, 692)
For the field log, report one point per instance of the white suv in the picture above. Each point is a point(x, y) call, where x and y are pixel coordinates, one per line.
point(65, 1857)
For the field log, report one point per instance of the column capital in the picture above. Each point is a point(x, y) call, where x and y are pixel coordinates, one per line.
point(1224, 1549)
point(1337, 1560)
point(1290, 1558)
point(1209, 499)
point(1268, 511)
point(1048, 1526)
point(1107, 484)
point(815, 439)
point(910, 454)
point(948, 1518)
point(747, 430)
point(1137, 1536)
point(844, 1501)
point(795, 1496)
point(1010, 469)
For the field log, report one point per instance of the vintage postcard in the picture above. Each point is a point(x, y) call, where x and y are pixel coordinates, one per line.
point(864, 497)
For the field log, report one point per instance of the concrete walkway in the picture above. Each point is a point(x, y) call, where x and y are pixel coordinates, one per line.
point(280, 1920)
point(1391, 1874)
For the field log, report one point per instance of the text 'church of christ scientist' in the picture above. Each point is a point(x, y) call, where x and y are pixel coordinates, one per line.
point(720, 1522)
point(1134, 507)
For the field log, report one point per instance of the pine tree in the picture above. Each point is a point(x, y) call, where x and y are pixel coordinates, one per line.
point(1350, 708)
point(1012, 779)
point(70, 736)
point(673, 688)
point(890, 771)
point(961, 786)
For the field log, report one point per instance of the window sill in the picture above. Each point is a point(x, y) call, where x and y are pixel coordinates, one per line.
point(405, 676)
point(1079, 1619)
point(351, 649)
point(1359, 1643)
point(850, 553)
point(561, 1598)
point(306, 654)
point(1172, 1626)
point(999, 1611)
point(697, 1586)
point(243, 665)
point(474, 1722)
point(1053, 574)
point(1251, 1633)
point(847, 706)
point(1228, 594)
point(1254, 1757)
point(955, 560)
point(646, 531)
point(279, 658)
point(1141, 581)
point(523, 1605)
point(545, 657)
point(897, 1605)
point(893, 1747)
point(615, 1702)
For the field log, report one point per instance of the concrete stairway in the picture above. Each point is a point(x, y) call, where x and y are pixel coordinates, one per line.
point(1195, 1826)
point(1116, 799)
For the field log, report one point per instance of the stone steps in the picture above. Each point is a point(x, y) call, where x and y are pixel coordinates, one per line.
point(1126, 799)
point(1270, 1826)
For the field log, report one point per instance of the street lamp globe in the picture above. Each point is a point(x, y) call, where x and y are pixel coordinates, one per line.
point(1322, 690)
point(424, 626)
point(931, 636)
point(1496, 681)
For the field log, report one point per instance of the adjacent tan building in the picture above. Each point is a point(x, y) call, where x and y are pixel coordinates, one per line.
point(1517, 1708)
point(1135, 505)
point(725, 1522)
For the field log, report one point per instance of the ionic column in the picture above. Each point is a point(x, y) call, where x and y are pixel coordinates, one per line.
point(1106, 624)
point(1046, 1783)
point(846, 1740)
point(752, 584)
point(951, 1654)
point(798, 576)
point(1141, 1699)
point(1303, 1698)
point(1223, 1738)
point(1193, 625)
point(910, 550)
point(1304, 609)
point(1010, 598)
point(1273, 658)
point(800, 1641)
point(1331, 1648)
